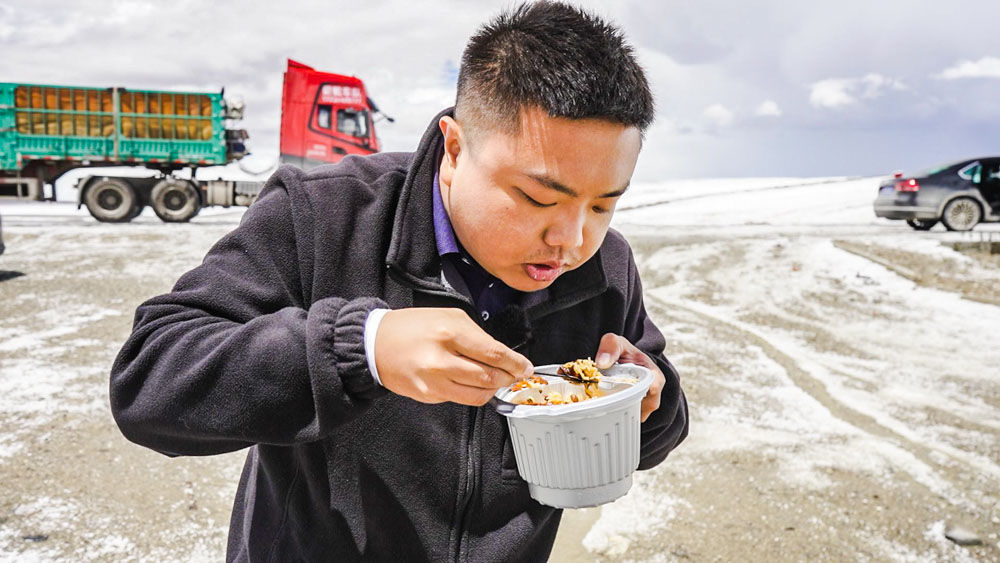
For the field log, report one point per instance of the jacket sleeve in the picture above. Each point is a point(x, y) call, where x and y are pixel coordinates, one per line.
point(234, 356)
point(667, 426)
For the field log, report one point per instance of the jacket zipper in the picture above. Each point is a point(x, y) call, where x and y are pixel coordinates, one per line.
point(472, 447)
point(471, 482)
point(472, 462)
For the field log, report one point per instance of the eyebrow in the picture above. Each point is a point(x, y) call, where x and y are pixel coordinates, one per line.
point(563, 188)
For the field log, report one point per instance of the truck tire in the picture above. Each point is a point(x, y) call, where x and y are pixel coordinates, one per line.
point(136, 211)
point(961, 214)
point(111, 200)
point(175, 201)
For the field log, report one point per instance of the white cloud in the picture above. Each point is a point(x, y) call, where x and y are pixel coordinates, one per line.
point(719, 115)
point(873, 85)
point(768, 108)
point(986, 67)
point(831, 93)
point(126, 13)
point(838, 92)
point(439, 97)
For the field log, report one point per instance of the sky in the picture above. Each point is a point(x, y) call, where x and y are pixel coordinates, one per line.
point(766, 88)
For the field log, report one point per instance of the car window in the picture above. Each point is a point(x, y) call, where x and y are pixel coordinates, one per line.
point(971, 172)
point(992, 172)
point(935, 170)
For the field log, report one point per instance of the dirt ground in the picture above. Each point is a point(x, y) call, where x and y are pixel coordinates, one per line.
point(806, 444)
point(839, 410)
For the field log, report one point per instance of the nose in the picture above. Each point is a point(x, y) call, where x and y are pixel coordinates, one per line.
point(566, 230)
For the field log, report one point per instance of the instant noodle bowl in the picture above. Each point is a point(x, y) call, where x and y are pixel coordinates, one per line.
point(578, 454)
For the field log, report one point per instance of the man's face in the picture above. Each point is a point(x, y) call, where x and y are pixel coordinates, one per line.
point(532, 206)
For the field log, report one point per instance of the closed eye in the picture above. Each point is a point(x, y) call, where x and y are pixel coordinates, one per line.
point(532, 200)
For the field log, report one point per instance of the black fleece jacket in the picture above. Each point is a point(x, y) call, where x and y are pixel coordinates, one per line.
point(261, 347)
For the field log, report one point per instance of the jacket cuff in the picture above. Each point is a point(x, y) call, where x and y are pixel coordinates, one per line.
point(350, 359)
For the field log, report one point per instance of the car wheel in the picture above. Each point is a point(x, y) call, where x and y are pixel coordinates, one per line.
point(110, 200)
point(961, 214)
point(922, 224)
point(175, 201)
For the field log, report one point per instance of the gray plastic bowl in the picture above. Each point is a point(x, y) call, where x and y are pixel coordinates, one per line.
point(580, 454)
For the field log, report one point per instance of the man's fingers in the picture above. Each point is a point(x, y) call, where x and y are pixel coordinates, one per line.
point(651, 401)
point(609, 350)
point(467, 395)
point(615, 348)
point(649, 405)
point(479, 346)
point(470, 373)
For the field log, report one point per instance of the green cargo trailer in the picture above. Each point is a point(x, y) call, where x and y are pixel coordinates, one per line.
point(47, 130)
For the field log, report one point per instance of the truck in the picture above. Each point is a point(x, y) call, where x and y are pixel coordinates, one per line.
point(48, 130)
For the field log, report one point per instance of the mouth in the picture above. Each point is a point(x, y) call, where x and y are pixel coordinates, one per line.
point(544, 271)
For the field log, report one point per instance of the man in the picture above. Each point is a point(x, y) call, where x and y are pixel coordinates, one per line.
point(351, 328)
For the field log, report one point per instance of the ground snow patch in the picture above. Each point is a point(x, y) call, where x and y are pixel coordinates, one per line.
point(644, 511)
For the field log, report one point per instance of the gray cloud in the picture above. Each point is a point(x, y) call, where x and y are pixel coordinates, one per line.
point(730, 57)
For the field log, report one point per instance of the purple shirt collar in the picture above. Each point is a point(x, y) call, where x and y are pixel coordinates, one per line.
point(443, 231)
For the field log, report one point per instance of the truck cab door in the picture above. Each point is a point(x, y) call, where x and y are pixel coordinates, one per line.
point(344, 129)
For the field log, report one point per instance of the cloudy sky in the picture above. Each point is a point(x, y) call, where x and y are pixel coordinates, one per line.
point(765, 88)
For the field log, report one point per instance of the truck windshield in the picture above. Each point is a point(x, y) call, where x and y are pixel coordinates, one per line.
point(352, 122)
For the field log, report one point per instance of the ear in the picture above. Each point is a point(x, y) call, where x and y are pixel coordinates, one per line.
point(453, 141)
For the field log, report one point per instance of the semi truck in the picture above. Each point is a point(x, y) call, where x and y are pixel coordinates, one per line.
point(48, 130)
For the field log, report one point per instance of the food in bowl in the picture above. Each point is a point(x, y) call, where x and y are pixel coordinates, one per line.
point(530, 382)
point(541, 392)
point(549, 394)
point(581, 369)
point(555, 398)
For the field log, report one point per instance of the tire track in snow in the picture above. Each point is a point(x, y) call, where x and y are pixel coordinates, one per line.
point(879, 427)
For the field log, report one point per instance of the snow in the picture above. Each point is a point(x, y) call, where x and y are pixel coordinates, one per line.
point(758, 201)
point(822, 359)
point(909, 349)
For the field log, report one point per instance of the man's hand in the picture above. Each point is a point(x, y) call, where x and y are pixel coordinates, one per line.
point(437, 355)
point(614, 348)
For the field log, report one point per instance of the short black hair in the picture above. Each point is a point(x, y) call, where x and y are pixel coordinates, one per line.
point(555, 56)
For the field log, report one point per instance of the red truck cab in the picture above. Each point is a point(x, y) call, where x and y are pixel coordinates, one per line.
point(324, 117)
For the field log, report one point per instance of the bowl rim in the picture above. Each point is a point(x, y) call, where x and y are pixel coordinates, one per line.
point(627, 396)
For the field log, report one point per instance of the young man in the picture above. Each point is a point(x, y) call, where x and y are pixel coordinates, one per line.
point(350, 329)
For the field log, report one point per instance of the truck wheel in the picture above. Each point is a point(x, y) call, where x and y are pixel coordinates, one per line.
point(961, 214)
point(921, 224)
point(175, 201)
point(111, 200)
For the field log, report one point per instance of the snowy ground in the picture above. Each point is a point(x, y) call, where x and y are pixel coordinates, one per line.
point(842, 374)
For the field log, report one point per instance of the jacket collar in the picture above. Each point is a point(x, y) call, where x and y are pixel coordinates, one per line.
point(413, 254)
point(412, 249)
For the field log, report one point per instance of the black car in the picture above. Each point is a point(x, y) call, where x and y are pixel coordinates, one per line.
point(1, 237)
point(959, 195)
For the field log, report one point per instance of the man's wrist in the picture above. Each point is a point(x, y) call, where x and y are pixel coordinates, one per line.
point(371, 330)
